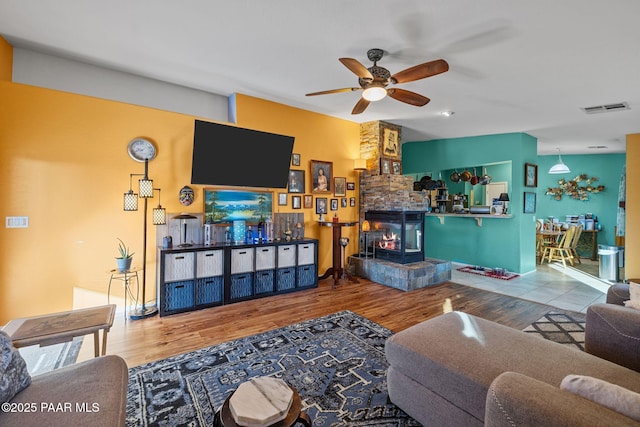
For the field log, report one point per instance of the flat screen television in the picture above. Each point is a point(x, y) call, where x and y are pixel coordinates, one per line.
point(229, 155)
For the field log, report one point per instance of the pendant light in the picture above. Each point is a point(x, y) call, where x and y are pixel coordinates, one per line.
point(559, 167)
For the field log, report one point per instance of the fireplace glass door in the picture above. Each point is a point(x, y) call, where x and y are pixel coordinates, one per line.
point(396, 236)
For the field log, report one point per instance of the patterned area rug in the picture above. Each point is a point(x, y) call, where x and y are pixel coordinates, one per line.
point(336, 363)
point(488, 272)
point(561, 328)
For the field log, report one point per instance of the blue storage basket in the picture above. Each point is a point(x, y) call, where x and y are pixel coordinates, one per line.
point(241, 285)
point(178, 295)
point(209, 290)
point(264, 281)
point(286, 278)
point(306, 276)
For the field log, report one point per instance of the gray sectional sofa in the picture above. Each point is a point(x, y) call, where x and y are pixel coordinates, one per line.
point(461, 370)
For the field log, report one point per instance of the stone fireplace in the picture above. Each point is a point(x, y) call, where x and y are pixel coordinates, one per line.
point(393, 253)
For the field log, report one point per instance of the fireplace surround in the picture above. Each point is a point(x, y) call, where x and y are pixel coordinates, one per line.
point(396, 236)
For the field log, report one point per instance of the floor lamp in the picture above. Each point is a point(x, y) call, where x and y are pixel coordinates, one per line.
point(159, 217)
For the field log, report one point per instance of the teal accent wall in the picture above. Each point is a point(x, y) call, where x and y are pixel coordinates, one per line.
point(606, 167)
point(507, 243)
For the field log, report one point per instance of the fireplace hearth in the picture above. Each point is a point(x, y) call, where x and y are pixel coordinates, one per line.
point(395, 236)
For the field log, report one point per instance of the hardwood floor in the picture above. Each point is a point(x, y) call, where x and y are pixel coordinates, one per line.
point(146, 340)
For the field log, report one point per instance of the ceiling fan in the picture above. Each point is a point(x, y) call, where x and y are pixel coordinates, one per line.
point(374, 80)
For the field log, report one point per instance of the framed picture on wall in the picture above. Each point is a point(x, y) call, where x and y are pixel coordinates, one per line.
point(343, 202)
point(321, 205)
point(530, 175)
point(352, 201)
point(296, 181)
point(529, 202)
point(308, 201)
point(282, 199)
point(295, 159)
point(385, 166)
point(334, 204)
point(340, 186)
point(351, 185)
point(321, 176)
point(296, 202)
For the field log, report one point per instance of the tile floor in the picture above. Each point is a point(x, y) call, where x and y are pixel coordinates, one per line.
point(551, 284)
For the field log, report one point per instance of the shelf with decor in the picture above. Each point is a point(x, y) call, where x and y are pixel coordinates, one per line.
point(477, 217)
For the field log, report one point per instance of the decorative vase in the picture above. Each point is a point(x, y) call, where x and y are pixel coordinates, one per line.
point(124, 264)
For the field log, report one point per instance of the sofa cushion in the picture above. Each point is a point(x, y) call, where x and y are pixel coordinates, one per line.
point(604, 393)
point(457, 356)
point(14, 376)
point(634, 296)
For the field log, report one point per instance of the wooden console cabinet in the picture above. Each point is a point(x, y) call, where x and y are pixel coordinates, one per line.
point(196, 277)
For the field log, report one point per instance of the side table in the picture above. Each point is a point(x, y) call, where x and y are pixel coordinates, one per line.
point(62, 327)
point(126, 277)
point(337, 269)
point(295, 415)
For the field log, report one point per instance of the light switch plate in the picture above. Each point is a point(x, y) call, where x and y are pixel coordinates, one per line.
point(17, 222)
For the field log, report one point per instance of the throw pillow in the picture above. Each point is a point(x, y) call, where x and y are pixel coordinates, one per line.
point(14, 376)
point(612, 396)
point(634, 296)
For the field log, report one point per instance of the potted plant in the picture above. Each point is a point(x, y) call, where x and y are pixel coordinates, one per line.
point(124, 260)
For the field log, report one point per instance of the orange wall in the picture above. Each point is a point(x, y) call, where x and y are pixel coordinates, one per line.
point(63, 163)
point(632, 231)
point(6, 60)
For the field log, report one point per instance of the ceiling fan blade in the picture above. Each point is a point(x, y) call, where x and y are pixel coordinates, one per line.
point(357, 68)
point(361, 105)
point(408, 97)
point(421, 71)
point(325, 92)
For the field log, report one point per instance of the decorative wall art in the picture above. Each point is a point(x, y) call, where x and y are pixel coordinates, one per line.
point(352, 201)
point(295, 159)
point(282, 199)
point(308, 201)
point(577, 188)
point(529, 202)
point(340, 186)
point(390, 142)
point(530, 175)
point(296, 181)
point(296, 202)
point(334, 204)
point(321, 176)
point(385, 166)
point(321, 205)
point(351, 186)
point(226, 206)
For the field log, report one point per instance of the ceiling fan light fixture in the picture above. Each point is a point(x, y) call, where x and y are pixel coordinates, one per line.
point(374, 93)
point(447, 113)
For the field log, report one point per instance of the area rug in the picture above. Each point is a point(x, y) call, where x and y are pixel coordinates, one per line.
point(489, 272)
point(44, 359)
point(335, 362)
point(561, 328)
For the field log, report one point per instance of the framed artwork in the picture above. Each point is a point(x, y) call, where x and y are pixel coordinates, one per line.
point(296, 202)
point(321, 205)
point(282, 199)
point(308, 201)
point(339, 186)
point(334, 204)
point(390, 142)
point(530, 175)
point(295, 159)
point(529, 202)
point(351, 186)
point(224, 206)
point(352, 201)
point(321, 176)
point(343, 202)
point(396, 168)
point(385, 167)
point(296, 181)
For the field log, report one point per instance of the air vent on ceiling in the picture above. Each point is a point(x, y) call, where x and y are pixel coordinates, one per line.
point(597, 147)
point(606, 108)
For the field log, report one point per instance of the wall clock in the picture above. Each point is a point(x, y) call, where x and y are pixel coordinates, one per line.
point(141, 149)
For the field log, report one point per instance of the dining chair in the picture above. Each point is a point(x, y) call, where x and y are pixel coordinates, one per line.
point(561, 251)
point(574, 243)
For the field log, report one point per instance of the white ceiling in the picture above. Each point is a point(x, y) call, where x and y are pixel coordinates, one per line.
point(515, 65)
